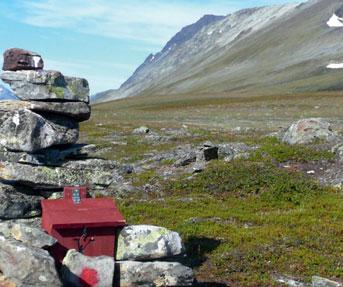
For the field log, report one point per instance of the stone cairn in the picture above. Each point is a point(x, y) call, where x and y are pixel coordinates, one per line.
point(39, 155)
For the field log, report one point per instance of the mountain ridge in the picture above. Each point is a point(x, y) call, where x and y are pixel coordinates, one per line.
point(274, 47)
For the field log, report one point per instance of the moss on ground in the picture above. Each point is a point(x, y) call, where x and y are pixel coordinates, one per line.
point(244, 221)
point(241, 221)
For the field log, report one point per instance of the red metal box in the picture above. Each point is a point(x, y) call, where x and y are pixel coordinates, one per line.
point(85, 224)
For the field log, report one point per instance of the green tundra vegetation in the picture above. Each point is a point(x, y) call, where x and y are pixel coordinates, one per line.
point(242, 221)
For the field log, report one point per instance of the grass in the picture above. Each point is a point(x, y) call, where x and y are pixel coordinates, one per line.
point(241, 221)
point(247, 220)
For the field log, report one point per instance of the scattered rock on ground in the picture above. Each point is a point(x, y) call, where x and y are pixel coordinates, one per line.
point(323, 282)
point(146, 242)
point(232, 151)
point(152, 274)
point(141, 130)
point(308, 130)
point(338, 151)
point(79, 270)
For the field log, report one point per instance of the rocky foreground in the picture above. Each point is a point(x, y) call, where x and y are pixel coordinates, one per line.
point(39, 155)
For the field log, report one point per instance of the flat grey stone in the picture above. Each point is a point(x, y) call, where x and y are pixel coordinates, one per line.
point(46, 85)
point(79, 111)
point(54, 177)
point(152, 274)
point(48, 157)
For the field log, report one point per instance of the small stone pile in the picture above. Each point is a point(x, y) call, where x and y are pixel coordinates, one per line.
point(39, 155)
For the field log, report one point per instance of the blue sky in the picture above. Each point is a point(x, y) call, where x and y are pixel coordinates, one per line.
point(103, 40)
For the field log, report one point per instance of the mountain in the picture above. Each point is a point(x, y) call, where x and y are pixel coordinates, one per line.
point(267, 50)
point(6, 94)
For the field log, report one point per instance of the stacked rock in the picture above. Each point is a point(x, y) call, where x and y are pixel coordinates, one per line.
point(38, 135)
point(39, 155)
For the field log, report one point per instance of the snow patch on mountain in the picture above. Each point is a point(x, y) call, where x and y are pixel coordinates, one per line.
point(335, 21)
point(335, 66)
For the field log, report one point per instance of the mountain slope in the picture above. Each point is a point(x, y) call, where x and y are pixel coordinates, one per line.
point(274, 50)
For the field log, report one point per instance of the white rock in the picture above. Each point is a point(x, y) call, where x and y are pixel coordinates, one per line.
point(80, 270)
point(145, 242)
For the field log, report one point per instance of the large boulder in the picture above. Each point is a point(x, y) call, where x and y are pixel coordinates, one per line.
point(18, 202)
point(27, 266)
point(79, 270)
point(47, 85)
point(79, 111)
point(19, 59)
point(54, 177)
point(307, 131)
point(23, 130)
point(152, 274)
point(146, 242)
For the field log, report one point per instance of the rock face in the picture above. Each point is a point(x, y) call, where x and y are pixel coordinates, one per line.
point(23, 130)
point(145, 242)
point(79, 270)
point(154, 274)
point(47, 85)
point(308, 130)
point(27, 266)
point(19, 59)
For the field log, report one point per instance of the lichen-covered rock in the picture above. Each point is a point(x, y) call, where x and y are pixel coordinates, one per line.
point(323, 282)
point(27, 266)
point(29, 235)
point(47, 85)
point(54, 177)
point(145, 242)
point(23, 130)
point(308, 130)
point(18, 202)
point(79, 111)
point(19, 59)
point(80, 270)
point(152, 274)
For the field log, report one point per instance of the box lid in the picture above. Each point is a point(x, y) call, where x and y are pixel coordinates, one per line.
point(90, 212)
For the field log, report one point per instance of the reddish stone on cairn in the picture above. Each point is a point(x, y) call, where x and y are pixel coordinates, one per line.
point(19, 59)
